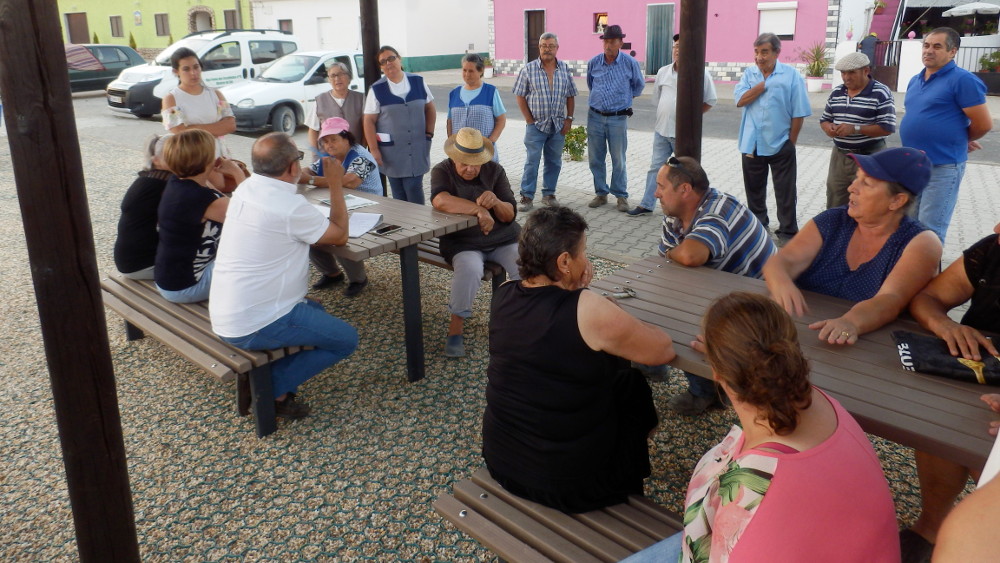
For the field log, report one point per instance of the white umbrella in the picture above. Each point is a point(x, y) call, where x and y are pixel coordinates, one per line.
point(972, 9)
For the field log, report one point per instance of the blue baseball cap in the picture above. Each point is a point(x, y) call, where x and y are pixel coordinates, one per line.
point(907, 166)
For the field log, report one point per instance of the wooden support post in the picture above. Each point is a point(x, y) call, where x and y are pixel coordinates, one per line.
point(370, 41)
point(691, 78)
point(42, 135)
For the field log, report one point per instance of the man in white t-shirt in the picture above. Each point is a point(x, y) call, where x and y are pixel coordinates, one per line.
point(665, 99)
point(257, 302)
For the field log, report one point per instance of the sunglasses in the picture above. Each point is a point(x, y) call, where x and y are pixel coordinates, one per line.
point(387, 60)
point(674, 163)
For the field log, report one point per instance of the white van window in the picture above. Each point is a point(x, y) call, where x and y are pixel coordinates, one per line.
point(224, 55)
point(263, 52)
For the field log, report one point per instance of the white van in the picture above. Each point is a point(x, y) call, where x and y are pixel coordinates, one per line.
point(282, 96)
point(227, 57)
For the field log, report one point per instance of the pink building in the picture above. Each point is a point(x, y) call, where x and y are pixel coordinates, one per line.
point(649, 26)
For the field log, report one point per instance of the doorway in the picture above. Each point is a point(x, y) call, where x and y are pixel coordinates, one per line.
point(534, 26)
point(77, 26)
point(659, 36)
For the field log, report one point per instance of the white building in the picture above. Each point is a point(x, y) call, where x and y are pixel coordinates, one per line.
point(429, 34)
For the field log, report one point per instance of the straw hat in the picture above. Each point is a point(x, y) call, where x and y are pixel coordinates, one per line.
point(469, 147)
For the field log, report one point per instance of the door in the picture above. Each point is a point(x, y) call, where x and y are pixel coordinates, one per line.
point(77, 26)
point(659, 36)
point(327, 33)
point(534, 26)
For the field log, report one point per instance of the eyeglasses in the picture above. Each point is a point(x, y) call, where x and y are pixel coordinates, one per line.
point(336, 75)
point(301, 155)
point(545, 47)
point(387, 60)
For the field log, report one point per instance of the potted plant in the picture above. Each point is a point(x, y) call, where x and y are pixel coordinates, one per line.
point(816, 64)
point(989, 72)
point(879, 6)
point(576, 143)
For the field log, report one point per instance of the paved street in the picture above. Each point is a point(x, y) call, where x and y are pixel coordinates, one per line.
point(111, 144)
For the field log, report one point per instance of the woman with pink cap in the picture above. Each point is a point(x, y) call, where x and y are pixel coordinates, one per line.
point(360, 173)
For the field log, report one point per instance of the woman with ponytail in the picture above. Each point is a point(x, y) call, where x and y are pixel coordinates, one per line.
point(799, 481)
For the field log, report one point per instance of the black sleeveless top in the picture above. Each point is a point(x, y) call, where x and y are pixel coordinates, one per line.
point(982, 266)
point(564, 425)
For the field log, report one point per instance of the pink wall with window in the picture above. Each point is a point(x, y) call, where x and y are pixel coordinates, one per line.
point(732, 27)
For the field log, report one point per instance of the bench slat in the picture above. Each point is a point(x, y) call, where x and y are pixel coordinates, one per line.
point(157, 317)
point(607, 524)
point(489, 534)
point(192, 354)
point(569, 527)
point(521, 525)
point(637, 519)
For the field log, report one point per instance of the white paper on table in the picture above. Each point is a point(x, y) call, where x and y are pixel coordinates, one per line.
point(992, 465)
point(353, 202)
point(361, 223)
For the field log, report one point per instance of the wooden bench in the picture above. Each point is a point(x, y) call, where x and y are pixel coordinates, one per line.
point(521, 530)
point(188, 330)
point(429, 252)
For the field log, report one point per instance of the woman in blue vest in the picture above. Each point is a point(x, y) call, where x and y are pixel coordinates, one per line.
point(399, 125)
point(476, 104)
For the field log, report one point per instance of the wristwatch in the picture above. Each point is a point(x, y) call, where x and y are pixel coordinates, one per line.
point(569, 118)
point(312, 180)
point(857, 128)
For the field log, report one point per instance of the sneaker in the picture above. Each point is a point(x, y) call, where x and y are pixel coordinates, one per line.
point(598, 201)
point(637, 211)
point(913, 547)
point(526, 204)
point(454, 346)
point(622, 204)
point(550, 200)
point(329, 281)
point(290, 408)
point(690, 405)
point(354, 288)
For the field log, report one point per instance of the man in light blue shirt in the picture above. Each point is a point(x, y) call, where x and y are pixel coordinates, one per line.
point(774, 101)
point(614, 78)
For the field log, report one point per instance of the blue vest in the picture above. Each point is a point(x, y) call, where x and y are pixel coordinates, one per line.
point(478, 114)
point(407, 153)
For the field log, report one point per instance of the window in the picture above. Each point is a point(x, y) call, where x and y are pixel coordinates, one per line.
point(162, 24)
point(263, 52)
point(600, 22)
point(116, 26)
point(285, 25)
point(230, 18)
point(778, 18)
point(225, 55)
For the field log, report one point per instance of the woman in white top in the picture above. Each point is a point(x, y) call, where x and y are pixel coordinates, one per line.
point(193, 105)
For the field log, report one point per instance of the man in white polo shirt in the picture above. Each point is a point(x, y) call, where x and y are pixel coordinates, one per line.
point(258, 300)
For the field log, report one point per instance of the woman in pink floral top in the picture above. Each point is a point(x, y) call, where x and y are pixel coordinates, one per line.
point(800, 480)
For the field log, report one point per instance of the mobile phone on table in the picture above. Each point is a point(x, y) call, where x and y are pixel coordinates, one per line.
point(387, 229)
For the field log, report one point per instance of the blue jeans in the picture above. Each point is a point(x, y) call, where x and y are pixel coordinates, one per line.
point(307, 324)
point(410, 188)
point(605, 134)
point(937, 202)
point(701, 386)
point(468, 266)
point(667, 550)
point(537, 145)
point(195, 293)
point(663, 147)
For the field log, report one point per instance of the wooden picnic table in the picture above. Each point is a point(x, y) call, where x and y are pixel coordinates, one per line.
point(938, 415)
point(419, 223)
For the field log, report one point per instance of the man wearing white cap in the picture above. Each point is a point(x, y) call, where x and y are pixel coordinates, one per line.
point(858, 116)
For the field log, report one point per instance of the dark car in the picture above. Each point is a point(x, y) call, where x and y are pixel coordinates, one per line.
point(93, 67)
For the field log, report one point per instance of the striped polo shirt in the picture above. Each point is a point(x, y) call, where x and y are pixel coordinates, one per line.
point(872, 106)
point(737, 242)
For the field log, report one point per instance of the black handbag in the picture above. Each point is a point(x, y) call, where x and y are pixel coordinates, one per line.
point(930, 355)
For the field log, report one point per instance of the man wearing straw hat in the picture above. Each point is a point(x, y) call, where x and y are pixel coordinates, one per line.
point(470, 183)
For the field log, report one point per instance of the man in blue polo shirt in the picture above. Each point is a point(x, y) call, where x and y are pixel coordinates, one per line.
point(774, 101)
point(614, 78)
point(945, 114)
point(705, 227)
